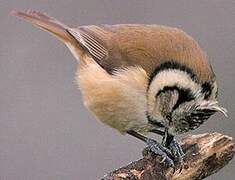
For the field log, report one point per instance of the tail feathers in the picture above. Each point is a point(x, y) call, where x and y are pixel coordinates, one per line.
point(46, 23)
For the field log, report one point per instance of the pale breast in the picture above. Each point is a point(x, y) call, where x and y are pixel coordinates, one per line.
point(117, 100)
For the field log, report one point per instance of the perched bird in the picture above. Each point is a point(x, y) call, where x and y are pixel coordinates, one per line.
point(140, 78)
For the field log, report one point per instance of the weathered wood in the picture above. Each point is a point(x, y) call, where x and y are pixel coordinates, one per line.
point(206, 154)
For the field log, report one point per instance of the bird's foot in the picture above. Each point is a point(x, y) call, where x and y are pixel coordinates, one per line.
point(172, 155)
point(160, 151)
point(178, 154)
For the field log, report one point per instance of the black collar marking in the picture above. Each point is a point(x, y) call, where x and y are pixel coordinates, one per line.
point(206, 87)
point(172, 65)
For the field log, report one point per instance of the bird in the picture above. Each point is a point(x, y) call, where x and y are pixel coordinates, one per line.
point(140, 79)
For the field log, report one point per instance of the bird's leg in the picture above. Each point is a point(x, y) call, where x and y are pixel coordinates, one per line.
point(162, 133)
point(169, 142)
point(155, 148)
point(175, 148)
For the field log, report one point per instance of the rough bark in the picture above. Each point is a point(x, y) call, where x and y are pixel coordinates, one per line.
point(206, 154)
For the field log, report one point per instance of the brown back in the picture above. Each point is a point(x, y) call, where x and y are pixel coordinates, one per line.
point(146, 46)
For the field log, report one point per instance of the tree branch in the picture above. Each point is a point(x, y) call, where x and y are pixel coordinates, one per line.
point(206, 154)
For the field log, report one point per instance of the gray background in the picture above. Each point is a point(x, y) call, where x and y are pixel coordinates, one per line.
point(45, 131)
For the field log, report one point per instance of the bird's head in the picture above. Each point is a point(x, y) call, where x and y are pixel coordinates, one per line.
point(178, 101)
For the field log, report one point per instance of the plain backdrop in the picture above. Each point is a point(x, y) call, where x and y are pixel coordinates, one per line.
point(45, 131)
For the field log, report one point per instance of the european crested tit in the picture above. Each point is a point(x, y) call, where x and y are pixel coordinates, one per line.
point(140, 78)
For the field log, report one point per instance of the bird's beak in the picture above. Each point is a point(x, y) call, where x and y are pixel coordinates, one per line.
point(214, 106)
point(223, 110)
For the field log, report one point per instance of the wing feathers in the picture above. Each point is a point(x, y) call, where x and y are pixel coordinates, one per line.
point(90, 42)
point(45, 22)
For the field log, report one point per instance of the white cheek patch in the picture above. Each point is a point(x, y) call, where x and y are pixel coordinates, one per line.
point(172, 77)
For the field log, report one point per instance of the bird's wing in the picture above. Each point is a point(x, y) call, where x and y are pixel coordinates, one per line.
point(118, 46)
point(92, 41)
point(98, 42)
point(146, 46)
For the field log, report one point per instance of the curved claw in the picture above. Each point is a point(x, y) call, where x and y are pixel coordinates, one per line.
point(161, 151)
point(163, 159)
point(169, 162)
point(173, 170)
point(181, 168)
point(178, 153)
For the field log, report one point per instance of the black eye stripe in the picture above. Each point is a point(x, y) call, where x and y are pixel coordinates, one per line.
point(200, 115)
point(184, 94)
point(207, 111)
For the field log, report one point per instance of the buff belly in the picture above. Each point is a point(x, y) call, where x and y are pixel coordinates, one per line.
point(117, 100)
